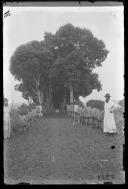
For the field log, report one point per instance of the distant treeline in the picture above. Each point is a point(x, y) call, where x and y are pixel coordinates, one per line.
point(99, 104)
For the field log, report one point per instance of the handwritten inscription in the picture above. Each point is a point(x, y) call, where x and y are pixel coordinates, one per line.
point(106, 177)
point(6, 14)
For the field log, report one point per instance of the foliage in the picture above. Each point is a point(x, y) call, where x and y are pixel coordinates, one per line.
point(30, 64)
point(23, 109)
point(17, 125)
point(77, 53)
point(5, 100)
point(66, 58)
point(119, 119)
point(121, 103)
point(99, 104)
point(31, 107)
point(14, 117)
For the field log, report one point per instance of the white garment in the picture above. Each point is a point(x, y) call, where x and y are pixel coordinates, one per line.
point(109, 121)
point(83, 100)
point(39, 111)
point(76, 107)
point(7, 124)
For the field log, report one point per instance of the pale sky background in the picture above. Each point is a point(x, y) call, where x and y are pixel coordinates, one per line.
point(29, 23)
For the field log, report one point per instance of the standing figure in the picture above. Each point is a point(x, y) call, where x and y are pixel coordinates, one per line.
point(39, 111)
point(75, 112)
point(7, 122)
point(109, 125)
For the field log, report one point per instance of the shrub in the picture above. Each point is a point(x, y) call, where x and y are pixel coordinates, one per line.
point(121, 103)
point(99, 104)
point(31, 107)
point(119, 119)
point(17, 125)
point(14, 117)
point(23, 109)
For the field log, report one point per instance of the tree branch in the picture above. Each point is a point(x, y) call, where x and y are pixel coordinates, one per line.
point(37, 81)
point(34, 91)
point(37, 91)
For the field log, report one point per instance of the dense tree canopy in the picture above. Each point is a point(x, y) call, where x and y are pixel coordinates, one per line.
point(30, 64)
point(62, 61)
point(80, 53)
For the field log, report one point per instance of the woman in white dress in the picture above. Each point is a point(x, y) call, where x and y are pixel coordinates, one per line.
point(7, 123)
point(109, 121)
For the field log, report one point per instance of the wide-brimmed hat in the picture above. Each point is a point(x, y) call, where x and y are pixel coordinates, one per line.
point(107, 95)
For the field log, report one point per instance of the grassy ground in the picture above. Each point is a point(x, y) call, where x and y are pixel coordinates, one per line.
point(55, 150)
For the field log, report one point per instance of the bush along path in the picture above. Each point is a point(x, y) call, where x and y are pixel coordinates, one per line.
point(55, 150)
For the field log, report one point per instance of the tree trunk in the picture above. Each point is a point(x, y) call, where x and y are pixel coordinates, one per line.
point(41, 96)
point(71, 94)
point(49, 99)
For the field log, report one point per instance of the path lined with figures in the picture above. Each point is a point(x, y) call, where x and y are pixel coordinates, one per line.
point(53, 149)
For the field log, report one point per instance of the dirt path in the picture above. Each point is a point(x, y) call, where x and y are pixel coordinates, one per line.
point(54, 149)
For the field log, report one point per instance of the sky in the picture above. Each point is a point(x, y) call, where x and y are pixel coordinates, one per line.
point(26, 24)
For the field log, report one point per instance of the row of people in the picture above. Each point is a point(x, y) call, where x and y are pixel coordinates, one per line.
point(85, 115)
point(94, 116)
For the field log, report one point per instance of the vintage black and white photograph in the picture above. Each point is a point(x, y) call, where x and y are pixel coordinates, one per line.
point(63, 76)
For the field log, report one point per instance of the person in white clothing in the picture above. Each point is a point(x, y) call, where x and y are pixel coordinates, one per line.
point(109, 125)
point(7, 123)
point(39, 111)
